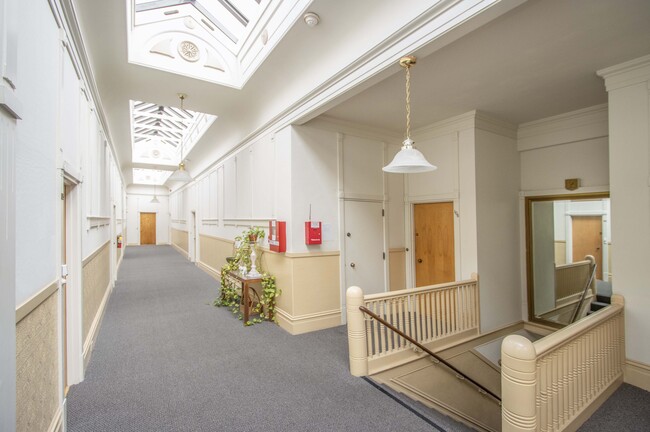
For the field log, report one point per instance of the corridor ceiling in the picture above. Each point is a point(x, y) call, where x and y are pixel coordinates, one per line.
point(517, 60)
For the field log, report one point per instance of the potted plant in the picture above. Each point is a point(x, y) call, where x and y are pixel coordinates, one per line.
point(254, 234)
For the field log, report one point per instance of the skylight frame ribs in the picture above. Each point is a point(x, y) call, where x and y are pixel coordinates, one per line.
point(161, 4)
point(234, 11)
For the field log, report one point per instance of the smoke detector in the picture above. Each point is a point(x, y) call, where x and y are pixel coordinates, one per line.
point(311, 19)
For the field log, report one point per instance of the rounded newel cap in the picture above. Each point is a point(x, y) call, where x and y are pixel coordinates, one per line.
point(518, 347)
point(354, 291)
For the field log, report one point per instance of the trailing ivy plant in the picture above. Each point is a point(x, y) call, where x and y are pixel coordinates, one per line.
point(230, 296)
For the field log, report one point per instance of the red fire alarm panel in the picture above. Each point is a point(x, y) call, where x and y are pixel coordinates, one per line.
point(313, 233)
point(278, 236)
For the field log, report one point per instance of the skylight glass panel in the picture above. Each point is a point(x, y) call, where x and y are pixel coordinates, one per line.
point(146, 176)
point(158, 132)
point(221, 41)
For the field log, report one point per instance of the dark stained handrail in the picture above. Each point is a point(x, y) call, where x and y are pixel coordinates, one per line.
point(584, 294)
point(459, 374)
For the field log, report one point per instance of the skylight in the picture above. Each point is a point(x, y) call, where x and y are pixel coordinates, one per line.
point(221, 41)
point(160, 135)
point(150, 176)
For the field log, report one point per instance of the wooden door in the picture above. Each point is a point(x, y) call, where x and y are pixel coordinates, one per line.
point(364, 246)
point(434, 243)
point(588, 240)
point(147, 228)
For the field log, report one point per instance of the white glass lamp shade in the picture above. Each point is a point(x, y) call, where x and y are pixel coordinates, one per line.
point(409, 160)
point(180, 175)
point(154, 200)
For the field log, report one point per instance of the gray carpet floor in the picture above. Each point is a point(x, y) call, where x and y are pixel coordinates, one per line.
point(167, 360)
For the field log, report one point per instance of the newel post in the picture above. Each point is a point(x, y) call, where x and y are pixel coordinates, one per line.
point(518, 384)
point(357, 346)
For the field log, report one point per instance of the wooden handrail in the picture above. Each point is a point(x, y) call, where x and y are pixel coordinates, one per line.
point(459, 374)
point(418, 290)
point(584, 293)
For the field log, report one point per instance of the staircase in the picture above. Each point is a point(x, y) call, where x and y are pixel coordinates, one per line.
point(428, 383)
point(603, 296)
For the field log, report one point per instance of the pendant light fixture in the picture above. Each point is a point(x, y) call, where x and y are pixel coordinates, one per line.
point(154, 200)
point(181, 175)
point(408, 160)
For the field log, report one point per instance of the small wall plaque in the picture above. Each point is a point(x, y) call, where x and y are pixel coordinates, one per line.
point(571, 184)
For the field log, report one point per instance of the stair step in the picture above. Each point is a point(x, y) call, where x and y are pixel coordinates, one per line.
point(604, 299)
point(595, 306)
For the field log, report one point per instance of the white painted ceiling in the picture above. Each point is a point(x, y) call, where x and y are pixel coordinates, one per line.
point(538, 60)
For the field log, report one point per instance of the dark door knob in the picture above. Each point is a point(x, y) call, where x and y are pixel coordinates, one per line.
point(353, 265)
point(420, 260)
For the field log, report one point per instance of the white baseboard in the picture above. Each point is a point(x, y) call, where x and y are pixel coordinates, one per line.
point(94, 328)
point(181, 250)
point(637, 374)
point(209, 270)
point(57, 422)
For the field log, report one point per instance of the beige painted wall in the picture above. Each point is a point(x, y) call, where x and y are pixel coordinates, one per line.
point(214, 251)
point(310, 283)
point(180, 239)
point(96, 277)
point(397, 262)
point(37, 368)
point(560, 252)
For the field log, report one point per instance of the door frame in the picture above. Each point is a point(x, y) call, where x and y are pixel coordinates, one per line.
point(409, 228)
point(72, 310)
point(568, 227)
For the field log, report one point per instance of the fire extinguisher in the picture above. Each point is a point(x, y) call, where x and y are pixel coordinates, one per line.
point(119, 242)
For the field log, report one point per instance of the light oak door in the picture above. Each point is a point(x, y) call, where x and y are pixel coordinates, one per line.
point(434, 243)
point(588, 240)
point(147, 228)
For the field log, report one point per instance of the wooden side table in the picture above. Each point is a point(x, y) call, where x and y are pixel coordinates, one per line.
point(245, 286)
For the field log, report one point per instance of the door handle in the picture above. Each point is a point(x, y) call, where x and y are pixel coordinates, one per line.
point(349, 235)
point(420, 261)
point(353, 265)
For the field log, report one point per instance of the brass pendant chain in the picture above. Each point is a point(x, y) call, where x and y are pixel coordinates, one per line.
point(408, 101)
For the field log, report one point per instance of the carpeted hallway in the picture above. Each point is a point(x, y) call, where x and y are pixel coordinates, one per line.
point(167, 360)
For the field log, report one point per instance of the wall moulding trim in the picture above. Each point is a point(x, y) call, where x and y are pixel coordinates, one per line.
point(637, 374)
point(57, 422)
point(97, 251)
point(310, 322)
point(625, 74)
point(308, 254)
point(580, 125)
point(36, 300)
point(348, 128)
point(581, 190)
point(423, 199)
point(180, 250)
point(217, 238)
point(209, 270)
point(362, 197)
point(470, 120)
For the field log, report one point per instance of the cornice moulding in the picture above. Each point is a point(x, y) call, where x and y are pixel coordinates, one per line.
point(625, 74)
point(583, 124)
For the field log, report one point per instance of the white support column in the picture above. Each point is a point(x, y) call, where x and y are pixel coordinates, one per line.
point(628, 87)
point(518, 384)
point(357, 345)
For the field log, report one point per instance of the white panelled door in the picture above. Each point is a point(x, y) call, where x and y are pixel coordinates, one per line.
point(364, 246)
